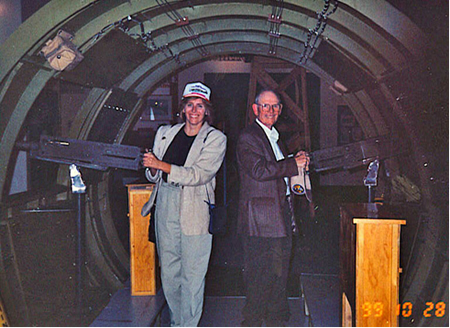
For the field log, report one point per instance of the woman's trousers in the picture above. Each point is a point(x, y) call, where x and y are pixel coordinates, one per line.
point(183, 259)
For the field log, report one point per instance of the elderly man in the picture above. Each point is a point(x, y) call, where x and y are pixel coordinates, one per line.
point(265, 218)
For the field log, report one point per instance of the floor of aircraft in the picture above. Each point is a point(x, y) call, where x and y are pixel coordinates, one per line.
point(313, 286)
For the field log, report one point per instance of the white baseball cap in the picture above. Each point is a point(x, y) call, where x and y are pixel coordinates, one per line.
point(197, 89)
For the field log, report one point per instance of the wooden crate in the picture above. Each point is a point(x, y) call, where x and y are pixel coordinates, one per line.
point(142, 252)
point(370, 265)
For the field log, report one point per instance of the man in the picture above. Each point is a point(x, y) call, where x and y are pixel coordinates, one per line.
point(265, 217)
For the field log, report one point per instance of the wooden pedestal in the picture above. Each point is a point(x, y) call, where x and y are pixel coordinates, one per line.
point(370, 260)
point(142, 252)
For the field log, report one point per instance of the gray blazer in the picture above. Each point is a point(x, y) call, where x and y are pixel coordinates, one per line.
point(202, 163)
point(262, 193)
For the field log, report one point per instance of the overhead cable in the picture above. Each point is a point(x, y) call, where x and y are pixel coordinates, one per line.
point(183, 22)
point(314, 34)
point(275, 20)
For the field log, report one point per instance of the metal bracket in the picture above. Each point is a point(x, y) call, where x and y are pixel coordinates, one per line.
point(182, 21)
point(274, 19)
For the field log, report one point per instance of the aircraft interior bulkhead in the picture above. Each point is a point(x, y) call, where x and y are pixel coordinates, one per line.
point(86, 84)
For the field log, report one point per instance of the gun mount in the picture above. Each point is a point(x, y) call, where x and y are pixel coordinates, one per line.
point(370, 181)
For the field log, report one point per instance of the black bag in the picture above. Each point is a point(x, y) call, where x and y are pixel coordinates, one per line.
point(217, 217)
point(151, 226)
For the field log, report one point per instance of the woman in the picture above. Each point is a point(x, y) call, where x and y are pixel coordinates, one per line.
point(184, 162)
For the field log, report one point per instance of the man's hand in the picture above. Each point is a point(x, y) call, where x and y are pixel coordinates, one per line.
point(302, 160)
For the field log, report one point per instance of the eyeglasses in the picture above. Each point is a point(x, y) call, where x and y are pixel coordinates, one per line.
point(267, 107)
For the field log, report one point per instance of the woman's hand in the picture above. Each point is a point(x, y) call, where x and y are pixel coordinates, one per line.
point(150, 161)
point(154, 164)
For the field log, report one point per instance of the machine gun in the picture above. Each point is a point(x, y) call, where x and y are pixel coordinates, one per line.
point(370, 151)
point(356, 154)
point(88, 154)
point(101, 156)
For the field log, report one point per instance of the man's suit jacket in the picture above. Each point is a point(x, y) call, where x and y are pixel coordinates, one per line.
point(262, 186)
point(195, 178)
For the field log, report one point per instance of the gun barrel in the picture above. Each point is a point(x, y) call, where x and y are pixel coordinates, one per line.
point(26, 146)
point(88, 154)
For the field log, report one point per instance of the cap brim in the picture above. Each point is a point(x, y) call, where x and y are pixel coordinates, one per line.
point(195, 94)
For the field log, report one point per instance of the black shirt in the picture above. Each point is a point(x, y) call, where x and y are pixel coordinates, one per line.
point(178, 150)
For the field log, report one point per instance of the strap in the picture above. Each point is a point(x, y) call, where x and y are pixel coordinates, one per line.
point(207, 194)
point(307, 194)
point(224, 174)
point(204, 140)
point(210, 130)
